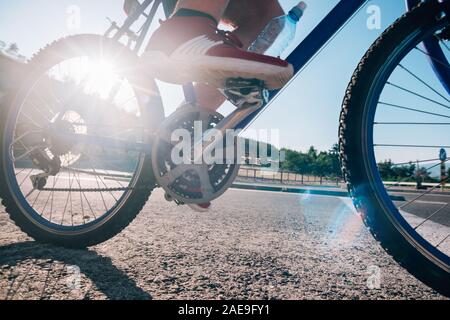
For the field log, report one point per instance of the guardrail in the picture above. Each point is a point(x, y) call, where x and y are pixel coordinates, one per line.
point(252, 174)
point(257, 174)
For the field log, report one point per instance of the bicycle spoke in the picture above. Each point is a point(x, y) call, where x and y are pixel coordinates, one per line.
point(96, 160)
point(103, 182)
point(409, 146)
point(29, 173)
point(425, 193)
point(16, 174)
point(67, 199)
point(41, 113)
point(433, 58)
point(31, 120)
point(412, 109)
point(101, 193)
point(35, 200)
point(414, 123)
point(445, 239)
point(30, 193)
point(431, 216)
point(417, 95)
point(85, 197)
point(427, 169)
point(51, 203)
point(423, 82)
point(21, 137)
point(417, 162)
point(26, 154)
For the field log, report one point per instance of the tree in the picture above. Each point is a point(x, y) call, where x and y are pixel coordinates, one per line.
point(405, 172)
point(385, 170)
point(322, 164)
point(336, 170)
point(391, 172)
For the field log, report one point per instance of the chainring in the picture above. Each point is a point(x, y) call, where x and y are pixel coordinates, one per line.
point(189, 182)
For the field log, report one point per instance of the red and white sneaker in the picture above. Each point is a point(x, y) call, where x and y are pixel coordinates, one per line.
point(192, 49)
point(203, 207)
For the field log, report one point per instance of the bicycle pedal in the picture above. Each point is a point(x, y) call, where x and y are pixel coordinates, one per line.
point(246, 92)
point(245, 86)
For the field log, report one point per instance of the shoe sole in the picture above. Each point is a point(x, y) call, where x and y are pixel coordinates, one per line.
point(197, 208)
point(214, 70)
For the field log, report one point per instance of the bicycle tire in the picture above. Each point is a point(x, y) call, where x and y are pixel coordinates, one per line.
point(145, 182)
point(358, 161)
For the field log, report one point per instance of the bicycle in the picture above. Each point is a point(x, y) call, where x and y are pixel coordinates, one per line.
point(59, 148)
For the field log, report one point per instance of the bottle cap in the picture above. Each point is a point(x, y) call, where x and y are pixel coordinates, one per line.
point(297, 12)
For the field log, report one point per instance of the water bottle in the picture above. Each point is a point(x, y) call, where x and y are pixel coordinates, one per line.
point(279, 33)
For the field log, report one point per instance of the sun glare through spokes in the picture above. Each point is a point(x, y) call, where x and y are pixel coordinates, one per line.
point(101, 78)
point(96, 76)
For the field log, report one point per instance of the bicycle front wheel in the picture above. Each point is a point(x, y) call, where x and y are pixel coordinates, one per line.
point(394, 122)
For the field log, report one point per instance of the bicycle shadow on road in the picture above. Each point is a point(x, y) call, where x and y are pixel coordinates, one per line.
point(106, 277)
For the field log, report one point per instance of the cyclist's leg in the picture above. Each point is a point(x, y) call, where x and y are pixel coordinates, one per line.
point(248, 18)
point(188, 48)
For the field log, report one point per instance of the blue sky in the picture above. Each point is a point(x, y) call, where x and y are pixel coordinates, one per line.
point(307, 113)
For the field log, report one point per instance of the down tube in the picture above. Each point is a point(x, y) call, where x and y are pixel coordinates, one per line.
point(306, 50)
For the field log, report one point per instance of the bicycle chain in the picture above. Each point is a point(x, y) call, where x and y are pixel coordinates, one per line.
point(86, 189)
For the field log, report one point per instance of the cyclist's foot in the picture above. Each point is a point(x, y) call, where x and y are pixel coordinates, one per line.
point(203, 207)
point(191, 49)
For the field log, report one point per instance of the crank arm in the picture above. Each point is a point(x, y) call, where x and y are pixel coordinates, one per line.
point(248, 96)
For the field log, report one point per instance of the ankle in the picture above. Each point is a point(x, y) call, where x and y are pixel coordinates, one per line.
point(184, 12)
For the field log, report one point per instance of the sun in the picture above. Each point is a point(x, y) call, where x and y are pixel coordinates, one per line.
point(100, 78)
point(96, 76)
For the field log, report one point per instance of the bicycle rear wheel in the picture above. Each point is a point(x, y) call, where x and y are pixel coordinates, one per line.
point(394, 94)
point(78, 193)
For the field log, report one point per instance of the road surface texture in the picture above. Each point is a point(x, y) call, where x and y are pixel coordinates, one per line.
point(253, 245)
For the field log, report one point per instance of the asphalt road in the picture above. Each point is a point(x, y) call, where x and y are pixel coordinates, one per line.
point(253, 245)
